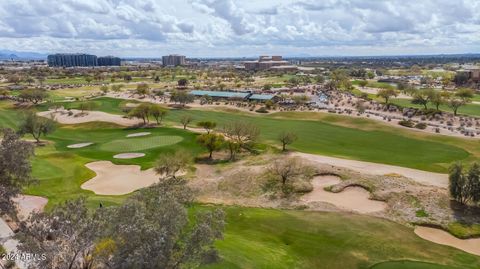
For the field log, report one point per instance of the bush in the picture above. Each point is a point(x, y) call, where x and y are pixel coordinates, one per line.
point(261, 110)
point(407, 123)
point(421, 125)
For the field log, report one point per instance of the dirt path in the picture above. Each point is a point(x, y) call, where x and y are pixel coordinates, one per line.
point(351, 198)
point(112, 179)
point(62, 117)
point(27, 204)
point(423, 177)
point(444, 238)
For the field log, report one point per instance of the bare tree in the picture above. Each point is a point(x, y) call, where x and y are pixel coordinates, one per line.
point(240, 135)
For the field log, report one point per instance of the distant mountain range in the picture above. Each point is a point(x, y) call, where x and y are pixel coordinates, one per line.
point(21, 55)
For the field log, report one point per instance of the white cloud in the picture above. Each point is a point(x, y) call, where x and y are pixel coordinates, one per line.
point(237, 28)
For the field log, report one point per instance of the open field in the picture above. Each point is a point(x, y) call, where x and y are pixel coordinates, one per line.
point(262, 238)
point(337, 136)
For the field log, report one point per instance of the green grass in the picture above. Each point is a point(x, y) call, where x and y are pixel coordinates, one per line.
point(266, 238)
point(421, 213)
point(327, 136)
point(322, 137)
point(141, 143)
point(61, 171)
point(469, 109)
point(463, 230)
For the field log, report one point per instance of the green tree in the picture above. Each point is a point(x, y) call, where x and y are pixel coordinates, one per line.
point(15, 168)
point(141, 112)
point(423, 97)
point(89, 105)
point(104, 89)
point(142, 89)
point(185, 120)
point(363, 83)
point(212, 142)
point(158, 113)
point(457, 183)
point(459, 99)
point(33, 95)
point(287, 138)
point(168, 164)
point(386, 94)
point(207, 125)
point(36, 125)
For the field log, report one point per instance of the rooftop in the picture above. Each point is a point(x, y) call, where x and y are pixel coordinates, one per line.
point(220, 94)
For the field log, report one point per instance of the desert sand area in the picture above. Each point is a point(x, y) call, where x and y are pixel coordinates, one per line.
point(79, 145)
point(27, 204)
point(351, 198)
point(423, 177)
point(78, 117)
point(128, 155)
point(441, 237)
point(139, 134)
point(112, 179)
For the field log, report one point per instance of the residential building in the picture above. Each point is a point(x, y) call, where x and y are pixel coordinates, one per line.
point(71, 60)
point(109, 61)
point(173, 60)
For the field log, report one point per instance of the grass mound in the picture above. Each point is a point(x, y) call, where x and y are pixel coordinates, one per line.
point(136, 144)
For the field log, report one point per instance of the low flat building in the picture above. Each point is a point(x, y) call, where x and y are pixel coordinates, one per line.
point(234, 95)
point(265, 63)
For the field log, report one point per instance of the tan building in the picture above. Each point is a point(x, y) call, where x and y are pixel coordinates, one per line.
point(265, 62)
point(473, 72)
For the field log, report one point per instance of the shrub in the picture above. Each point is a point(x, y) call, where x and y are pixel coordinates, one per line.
point(261, 110)
point(421, 125)
point(407, 123)
point(421, 213)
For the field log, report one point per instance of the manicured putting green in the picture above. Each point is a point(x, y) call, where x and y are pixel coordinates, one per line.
point(136, 144)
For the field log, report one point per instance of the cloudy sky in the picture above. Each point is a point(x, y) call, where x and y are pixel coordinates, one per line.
point(206, 28)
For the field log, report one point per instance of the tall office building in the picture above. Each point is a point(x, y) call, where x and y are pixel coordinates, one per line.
point(173, 60)
point(71, 60)
point(109, 61)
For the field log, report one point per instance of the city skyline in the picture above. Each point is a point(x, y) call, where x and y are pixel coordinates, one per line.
point(221, 28)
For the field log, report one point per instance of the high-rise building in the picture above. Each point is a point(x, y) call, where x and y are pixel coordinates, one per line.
point(173, 60)
point(71, 60)
point(109, 61)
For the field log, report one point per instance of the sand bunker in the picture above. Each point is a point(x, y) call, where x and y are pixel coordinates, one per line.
point(27, 204)
point(114, 179)
point(128, 155)
point(80, 145)
point(62, 117)
point(427, 178)
point(351, 198)
point(439, 236)
point(139, 134)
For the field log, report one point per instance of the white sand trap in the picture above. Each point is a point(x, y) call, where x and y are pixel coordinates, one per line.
point(112, 179)
point(442, 237)
point(139, 134)
point(128, 155)
point(351, 198)
point(27, 204)
point(79, 145)
point(130, 105)
point(423, 177)
point(62, 117)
